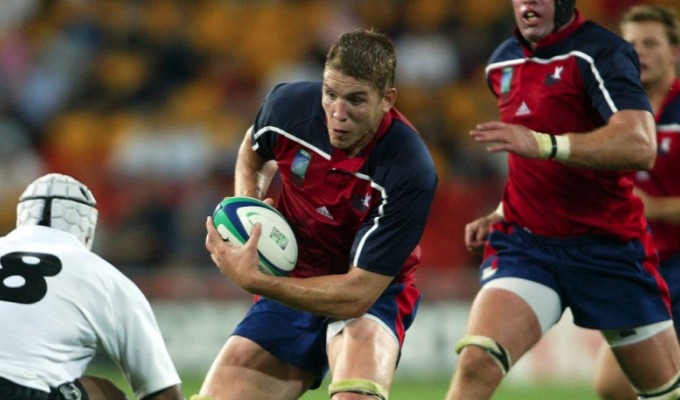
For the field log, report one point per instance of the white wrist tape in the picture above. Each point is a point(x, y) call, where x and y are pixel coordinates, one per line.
point(553, 147)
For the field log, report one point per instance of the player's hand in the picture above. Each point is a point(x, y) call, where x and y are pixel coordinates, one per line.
point(238, 263)
point(500, 136)
point(477, 231)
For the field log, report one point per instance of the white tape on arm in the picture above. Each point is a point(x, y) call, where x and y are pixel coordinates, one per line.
point(553, 147)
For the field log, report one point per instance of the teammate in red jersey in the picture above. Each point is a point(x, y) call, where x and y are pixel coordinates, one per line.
point(655, 33)
point(357, 184)
point(575, 123)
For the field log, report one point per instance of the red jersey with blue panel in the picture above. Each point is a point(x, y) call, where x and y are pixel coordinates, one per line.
point(369, 210)
point(573, 82)
point(578, 231)
point(662, 180)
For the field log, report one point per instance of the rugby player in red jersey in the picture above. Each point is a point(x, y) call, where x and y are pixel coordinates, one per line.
point(575, 124)
point(357, 185)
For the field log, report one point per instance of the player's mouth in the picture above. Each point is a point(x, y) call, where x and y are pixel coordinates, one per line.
point(339, 132)
point(530, 17)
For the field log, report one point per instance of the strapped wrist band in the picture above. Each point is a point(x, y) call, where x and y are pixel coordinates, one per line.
point(552, 147)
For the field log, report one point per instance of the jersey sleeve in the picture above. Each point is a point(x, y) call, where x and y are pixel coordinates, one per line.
point(394, 228)
point(612, 80)
point(289, 109)
point(268, 121)
point(262, 138)
point(131, 338)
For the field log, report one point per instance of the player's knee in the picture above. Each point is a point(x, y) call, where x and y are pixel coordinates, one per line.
point(669, 391)
point(355, 389)
point(490, 350)
point(609, 392)
point(674, 394)
point(611, 384)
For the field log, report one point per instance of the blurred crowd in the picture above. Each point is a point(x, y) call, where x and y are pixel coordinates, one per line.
point(146, 102)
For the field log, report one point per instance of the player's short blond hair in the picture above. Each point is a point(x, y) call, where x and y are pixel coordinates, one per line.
point(366, 55)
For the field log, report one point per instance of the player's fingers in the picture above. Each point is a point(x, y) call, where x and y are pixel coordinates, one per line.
point(481, 137)
point(475, 237)
point(254, 235)
point(496, 147)
point(493, 137)
point(476, 248)
point(212, 237)
point(491, 125)
point(469, 234)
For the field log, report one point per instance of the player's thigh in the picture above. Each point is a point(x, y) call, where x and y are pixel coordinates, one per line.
point(651, 363)
point(364, 349)
point(609, 380)
point(507, 318)
point(242, 363)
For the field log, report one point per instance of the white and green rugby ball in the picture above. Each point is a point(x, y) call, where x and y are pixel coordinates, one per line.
point(277, 249)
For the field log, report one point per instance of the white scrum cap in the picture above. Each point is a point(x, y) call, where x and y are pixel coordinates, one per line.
point(60, 202)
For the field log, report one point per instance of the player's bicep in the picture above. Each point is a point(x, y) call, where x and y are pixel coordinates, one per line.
point(253, 171)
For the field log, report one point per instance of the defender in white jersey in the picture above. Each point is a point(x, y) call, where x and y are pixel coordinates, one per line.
point(60, 303)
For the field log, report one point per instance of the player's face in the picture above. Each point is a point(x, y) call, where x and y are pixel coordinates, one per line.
point(535, 18)
point(657, 56)
point(354, 110)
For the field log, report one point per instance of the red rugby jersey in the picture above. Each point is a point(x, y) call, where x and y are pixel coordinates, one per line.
point(574, 81)
point(369, 210)
point(663, 179)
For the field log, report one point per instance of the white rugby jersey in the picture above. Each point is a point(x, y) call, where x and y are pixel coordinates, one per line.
point(60, 303)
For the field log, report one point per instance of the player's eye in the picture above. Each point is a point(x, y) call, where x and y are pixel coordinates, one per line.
point(355, 101)
point(649, 44)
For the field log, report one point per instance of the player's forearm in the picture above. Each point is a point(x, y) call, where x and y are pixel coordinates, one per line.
point(254, 182)
point(627, 142)
point(666, 209)
point(338, 296)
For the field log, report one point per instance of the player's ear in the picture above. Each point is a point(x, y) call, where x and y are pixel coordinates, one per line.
point(676, 54)
point(389, 99)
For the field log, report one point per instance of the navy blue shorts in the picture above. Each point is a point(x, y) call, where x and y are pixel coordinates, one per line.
point(670, 270)
point(299, 338)
point(607, 283)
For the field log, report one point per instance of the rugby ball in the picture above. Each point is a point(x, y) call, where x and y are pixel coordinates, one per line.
point(277, 249)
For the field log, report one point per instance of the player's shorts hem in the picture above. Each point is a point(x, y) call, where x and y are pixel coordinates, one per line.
point(334, 328)
point(543, 300)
